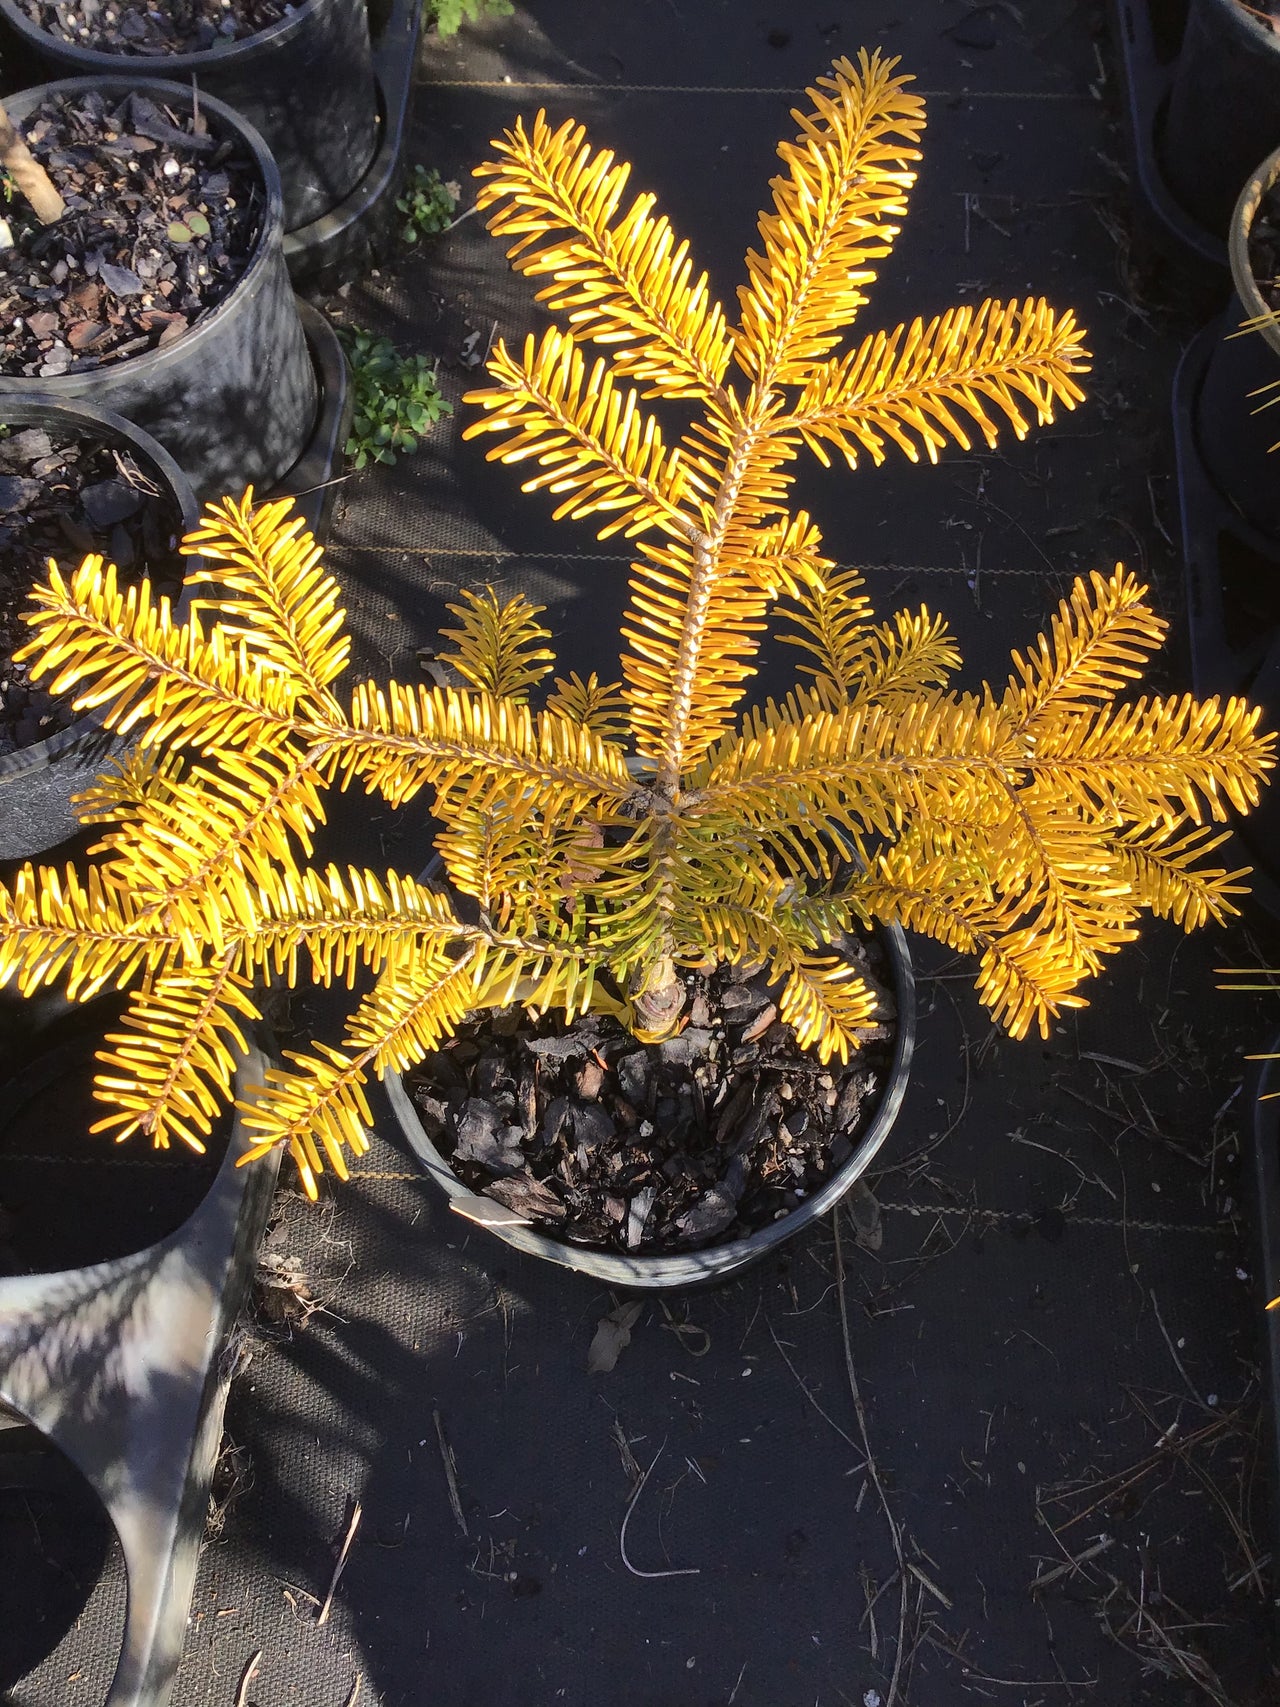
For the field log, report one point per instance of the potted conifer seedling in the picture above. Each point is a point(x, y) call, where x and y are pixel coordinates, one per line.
point(632, 878)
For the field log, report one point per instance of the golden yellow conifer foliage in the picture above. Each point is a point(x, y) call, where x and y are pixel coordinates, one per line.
point(611, 835)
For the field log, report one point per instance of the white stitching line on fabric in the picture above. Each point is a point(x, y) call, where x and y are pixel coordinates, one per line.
point(614, 557)
point(789, 90)
point(916, 1210)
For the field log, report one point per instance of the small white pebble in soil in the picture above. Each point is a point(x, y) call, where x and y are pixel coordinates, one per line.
point(170, 168)
point(747, 1372)
point(1211, 1399)
point(1242, 1274)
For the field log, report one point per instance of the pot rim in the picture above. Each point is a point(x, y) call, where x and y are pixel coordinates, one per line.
point(97, 60)
point(269, 237)
point(1235, 17)
point(717, 1261)
point(1243, 215)
point(73, 412)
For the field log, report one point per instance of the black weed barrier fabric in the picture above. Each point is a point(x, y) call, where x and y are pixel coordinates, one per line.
point(1044, 1489)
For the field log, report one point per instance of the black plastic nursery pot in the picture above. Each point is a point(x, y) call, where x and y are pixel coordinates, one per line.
point(1232, 579)
point(35, 810)
point(1148, 35)
point(119, 1287)
point(1224, 108)
point(1235, 428)
point(716, 1262)
point(1261, 1092)
point(234, 399)
point(346, 239)
point(305, 83)
point(38, 784)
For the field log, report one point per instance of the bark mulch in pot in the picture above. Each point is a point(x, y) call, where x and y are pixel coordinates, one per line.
point(1264, 247)
point(634, 1147)
point(65, 497)
point(158, 30)
point(161, 220)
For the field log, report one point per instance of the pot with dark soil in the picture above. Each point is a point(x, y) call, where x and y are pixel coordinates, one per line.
point(662, 1164)
point(1236, 423)
point(300, 75)
point(1223, 112)
point(74, 481)
point(161, 292)
point(667, 955)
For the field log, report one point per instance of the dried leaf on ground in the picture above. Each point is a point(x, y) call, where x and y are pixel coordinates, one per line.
point(612, 1337)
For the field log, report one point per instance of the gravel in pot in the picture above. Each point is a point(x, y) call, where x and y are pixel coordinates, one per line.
point(133, 26)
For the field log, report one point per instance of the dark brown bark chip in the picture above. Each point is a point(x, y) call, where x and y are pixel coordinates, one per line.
point(655, 1147)
point(481, 1136)
point(710, 1215)
point(154, 31)
point(155, 235)
point(527, 1196)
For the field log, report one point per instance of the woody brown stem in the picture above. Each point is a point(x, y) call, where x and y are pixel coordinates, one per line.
point(29, 176)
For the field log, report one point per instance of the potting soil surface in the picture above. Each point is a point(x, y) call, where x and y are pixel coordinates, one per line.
point(161, 218)
point(994, 1434)
point(177, 26)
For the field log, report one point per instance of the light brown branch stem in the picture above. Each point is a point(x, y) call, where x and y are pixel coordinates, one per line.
point(29, 176)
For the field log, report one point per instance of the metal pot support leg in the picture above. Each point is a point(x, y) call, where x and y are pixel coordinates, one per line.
point(122, 1366)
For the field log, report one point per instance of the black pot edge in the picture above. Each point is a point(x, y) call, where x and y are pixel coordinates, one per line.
point(127, 1472)
point(313, 479)
point(83, 745)
point(324, 253)
point(1263, 1080)
point(37, 756)
point(96, 62)
point(1204, 515)
point(1146, 87)
point(715, 1263)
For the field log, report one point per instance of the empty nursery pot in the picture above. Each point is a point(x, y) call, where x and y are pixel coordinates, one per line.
point(305, 83)
point(1224, 108)
point(233, 400)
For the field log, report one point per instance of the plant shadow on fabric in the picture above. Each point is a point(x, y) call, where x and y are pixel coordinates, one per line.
point(620, 834)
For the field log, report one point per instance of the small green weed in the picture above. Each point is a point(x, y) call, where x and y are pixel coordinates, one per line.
point(396, 398)
point(448, 16)
point(427, 204)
